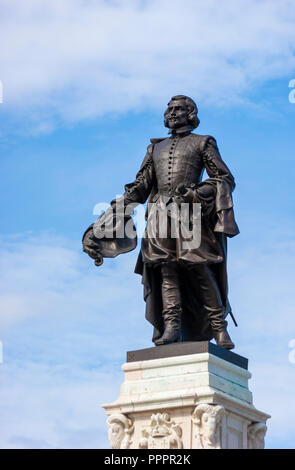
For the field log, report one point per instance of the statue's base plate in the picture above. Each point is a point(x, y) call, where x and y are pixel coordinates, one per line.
point(185, 348)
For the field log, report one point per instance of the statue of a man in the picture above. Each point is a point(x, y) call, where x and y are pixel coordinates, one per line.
point(185, 286)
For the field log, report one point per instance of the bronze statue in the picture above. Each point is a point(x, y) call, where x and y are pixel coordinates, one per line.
point(185, 286)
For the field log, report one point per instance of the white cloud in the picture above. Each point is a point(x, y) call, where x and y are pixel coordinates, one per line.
point(44, 407)
point(47, 278)
point(75, 59)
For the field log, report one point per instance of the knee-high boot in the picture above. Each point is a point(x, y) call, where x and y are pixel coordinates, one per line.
point(172, 310)
point(210, 295)
point(219, 327)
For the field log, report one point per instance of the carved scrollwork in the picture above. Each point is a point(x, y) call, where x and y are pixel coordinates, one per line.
point(120, 429)
point(162, 433)
point(207, 421)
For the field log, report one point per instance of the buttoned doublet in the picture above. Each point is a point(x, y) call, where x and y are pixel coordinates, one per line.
point(181, 160)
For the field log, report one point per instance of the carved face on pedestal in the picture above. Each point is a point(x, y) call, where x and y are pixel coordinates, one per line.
point(256, 435)
point(119, 430)
point(116, 434)
point(209, 425)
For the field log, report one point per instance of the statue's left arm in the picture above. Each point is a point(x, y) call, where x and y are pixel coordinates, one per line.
point(219, 185)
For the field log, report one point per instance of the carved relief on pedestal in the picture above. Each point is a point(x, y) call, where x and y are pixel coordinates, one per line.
point(162, 433)
point(120, 430)
point(256, 435)
point(207, 421)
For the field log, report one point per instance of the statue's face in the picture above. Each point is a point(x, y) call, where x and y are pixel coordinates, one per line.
point(176, 114)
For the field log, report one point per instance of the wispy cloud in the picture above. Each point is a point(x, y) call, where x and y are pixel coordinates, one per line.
point(73, 60)
point(43, 406)
point(48, 276)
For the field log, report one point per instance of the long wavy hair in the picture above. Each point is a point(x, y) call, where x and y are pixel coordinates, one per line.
point(192, 115)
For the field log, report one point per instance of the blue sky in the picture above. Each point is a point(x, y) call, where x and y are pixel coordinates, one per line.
point(84, 88)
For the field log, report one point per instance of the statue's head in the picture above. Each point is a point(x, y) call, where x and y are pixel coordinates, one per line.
point(181, 111)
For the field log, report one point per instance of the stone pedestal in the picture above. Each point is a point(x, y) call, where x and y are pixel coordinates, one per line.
point(191, 395)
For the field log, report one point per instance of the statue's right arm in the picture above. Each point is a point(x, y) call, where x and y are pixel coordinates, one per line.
point(139, 190)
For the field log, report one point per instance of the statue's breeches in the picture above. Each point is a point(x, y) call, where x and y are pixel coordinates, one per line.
point(167, 240)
